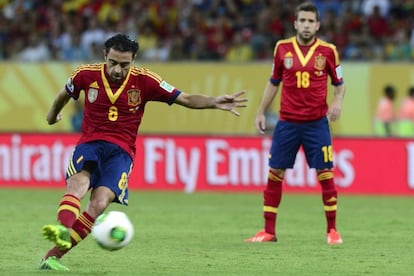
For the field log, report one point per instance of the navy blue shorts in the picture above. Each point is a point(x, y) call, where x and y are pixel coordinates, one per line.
point(314, 137)
point(113, 166)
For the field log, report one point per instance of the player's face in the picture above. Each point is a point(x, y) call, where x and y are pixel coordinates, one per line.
point(118, 64)
point(306, 27)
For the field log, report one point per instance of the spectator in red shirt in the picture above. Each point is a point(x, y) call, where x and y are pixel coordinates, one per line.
point(378, 25)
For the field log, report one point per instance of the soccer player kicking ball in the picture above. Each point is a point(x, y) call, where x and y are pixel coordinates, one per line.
point(303, 63)
point(116, 93)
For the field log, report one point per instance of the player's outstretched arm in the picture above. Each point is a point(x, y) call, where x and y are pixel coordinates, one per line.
point(54, 116)
point(223, 102)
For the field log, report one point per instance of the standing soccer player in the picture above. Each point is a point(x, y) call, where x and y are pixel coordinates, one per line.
point(116, 93)
point(385, 115)
point(303, 63)
point(406, 115)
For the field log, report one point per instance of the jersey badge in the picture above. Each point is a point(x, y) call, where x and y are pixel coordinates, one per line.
point(134, 97)
point(70, 86)
point(320, 62)
point(92, 94)
point(338, 71)
point(166, 86)
point(288, 60)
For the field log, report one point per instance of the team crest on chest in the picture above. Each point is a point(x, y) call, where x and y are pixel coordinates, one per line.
point(288, 60)
point(320, 62)
point(134, 97)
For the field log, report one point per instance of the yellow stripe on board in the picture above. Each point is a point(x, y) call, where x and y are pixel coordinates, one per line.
point(28, 91)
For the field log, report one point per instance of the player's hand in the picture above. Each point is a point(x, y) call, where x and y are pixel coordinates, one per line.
point(334, 112)
point(231, 102)
point(260, 123)
point(53, 119)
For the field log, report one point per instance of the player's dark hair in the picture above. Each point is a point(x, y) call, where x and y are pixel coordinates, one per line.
point(307, 7)
point(122, 43)
point(389, 92)
point(411, 91)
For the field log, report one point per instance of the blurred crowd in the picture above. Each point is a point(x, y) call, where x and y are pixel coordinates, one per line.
point(199, 30)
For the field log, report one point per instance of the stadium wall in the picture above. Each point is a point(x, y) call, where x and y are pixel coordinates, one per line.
point(29, 88)
point(193, 163)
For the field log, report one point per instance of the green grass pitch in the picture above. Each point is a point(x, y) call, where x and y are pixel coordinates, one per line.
point(203, 233)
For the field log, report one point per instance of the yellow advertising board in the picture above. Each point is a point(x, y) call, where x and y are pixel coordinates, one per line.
point(27, 91)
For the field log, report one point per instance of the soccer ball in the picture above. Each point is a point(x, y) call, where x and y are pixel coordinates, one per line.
point(113, 230)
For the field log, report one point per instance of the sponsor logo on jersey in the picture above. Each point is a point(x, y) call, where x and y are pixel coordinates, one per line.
point(320, 62)
point(166, 86)
point(92, 94)
point(69, 85)
point(94, 85)
point(134, 97)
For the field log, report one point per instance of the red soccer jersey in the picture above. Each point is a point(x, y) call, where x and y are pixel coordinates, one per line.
point(113, 111)
point(304, 71)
